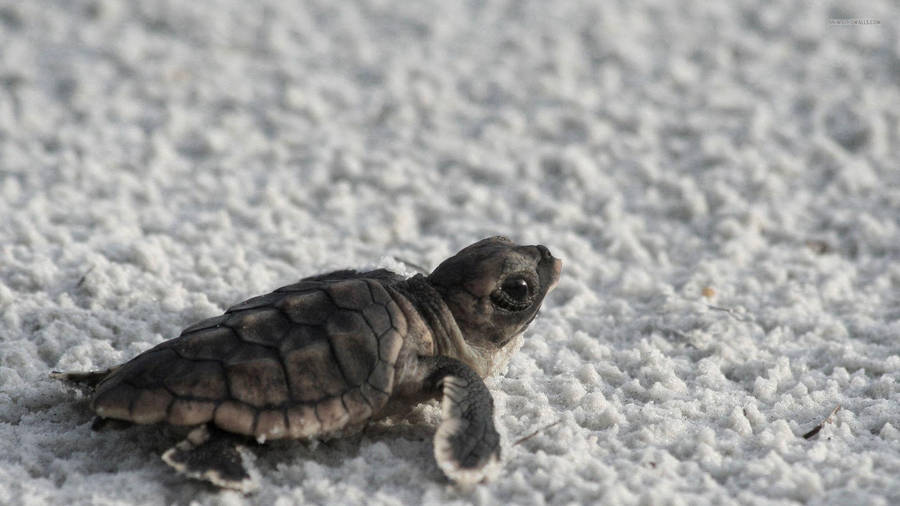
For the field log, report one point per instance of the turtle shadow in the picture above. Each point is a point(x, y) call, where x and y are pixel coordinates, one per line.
point(111, 446)
point(282, 463)
point(397, 436)
point(405, 436)
point(68, 410)
point(55, 441)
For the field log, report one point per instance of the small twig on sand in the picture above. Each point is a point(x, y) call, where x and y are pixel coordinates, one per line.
point(815, 430)
point(731, 312)
point(535, 433)
point(677, 333)
point(84, 277)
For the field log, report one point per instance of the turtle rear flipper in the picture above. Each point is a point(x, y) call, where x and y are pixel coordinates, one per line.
point(88, 378)
point(466, 444)
point(212, 456)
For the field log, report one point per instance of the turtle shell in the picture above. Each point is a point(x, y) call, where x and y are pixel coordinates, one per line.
point(305, 360)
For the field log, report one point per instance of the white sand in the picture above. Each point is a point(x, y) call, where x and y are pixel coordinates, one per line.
point(161, 160)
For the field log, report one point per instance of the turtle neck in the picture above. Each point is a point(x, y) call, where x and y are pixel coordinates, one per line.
point(430, 305)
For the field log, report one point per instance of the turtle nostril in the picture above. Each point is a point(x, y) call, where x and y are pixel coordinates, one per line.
point(545, 253)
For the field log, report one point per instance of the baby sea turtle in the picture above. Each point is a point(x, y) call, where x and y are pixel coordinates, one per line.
point(324, 356)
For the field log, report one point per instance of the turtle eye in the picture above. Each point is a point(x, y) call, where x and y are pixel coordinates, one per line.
point(514, 294)
point(516, 288)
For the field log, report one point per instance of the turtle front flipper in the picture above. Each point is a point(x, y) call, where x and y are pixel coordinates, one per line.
point(211, 456)
point(466, 445)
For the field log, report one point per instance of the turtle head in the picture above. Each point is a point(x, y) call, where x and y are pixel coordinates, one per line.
point(494, 289)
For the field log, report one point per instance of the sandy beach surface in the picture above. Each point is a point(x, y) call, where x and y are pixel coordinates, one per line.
point(722, 181)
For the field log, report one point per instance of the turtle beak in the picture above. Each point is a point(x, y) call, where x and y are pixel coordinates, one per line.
point(548, 264)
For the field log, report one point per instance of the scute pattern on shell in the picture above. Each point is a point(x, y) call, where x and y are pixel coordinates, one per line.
point(302, 361)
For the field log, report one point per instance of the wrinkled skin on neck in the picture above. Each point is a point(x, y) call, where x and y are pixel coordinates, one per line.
point(482, 287)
